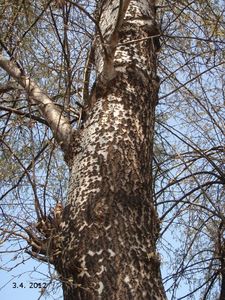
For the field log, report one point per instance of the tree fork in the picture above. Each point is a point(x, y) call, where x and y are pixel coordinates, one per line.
point(109, 226)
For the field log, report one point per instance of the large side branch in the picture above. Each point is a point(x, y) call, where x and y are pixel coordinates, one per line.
point(59, 124)
point(112, 15)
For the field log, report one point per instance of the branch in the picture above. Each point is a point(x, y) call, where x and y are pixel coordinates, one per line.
point(190, 80)
point(26, 170)
point(31, 26)
point(207, 40)
point(111, 20)
point(37, 206)
point(24, 114)
point(194, 146)
point(86, 76)
point(206, 184)
point(59, 124)
point(175, 181)
point(39, 257)
point(9, 86)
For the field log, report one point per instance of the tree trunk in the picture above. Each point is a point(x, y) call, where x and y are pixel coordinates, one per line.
point(110, 226)
point(222, 288)
point(222, 261)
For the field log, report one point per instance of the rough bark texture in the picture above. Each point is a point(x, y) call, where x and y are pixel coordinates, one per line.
point(222, 289)
point(110, 226)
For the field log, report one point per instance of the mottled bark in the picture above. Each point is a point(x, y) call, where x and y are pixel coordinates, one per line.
point(110, 227)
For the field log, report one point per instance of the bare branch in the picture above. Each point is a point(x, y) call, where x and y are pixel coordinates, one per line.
point(21, 113)
point(59, 124)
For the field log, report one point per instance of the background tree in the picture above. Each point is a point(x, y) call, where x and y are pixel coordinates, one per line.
point(92, 79)
point(190, 172)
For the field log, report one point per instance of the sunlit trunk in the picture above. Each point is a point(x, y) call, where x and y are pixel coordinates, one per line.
point(110, 225)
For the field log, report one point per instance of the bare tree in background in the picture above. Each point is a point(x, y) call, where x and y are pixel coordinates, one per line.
point(82, 77)
point(189, 151)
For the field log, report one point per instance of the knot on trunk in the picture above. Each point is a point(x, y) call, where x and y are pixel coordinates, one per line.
point(74, 148)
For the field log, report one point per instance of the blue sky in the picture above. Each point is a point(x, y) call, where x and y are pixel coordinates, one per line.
point(29, 274)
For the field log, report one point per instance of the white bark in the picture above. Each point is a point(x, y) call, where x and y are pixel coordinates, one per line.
point(112, 16)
